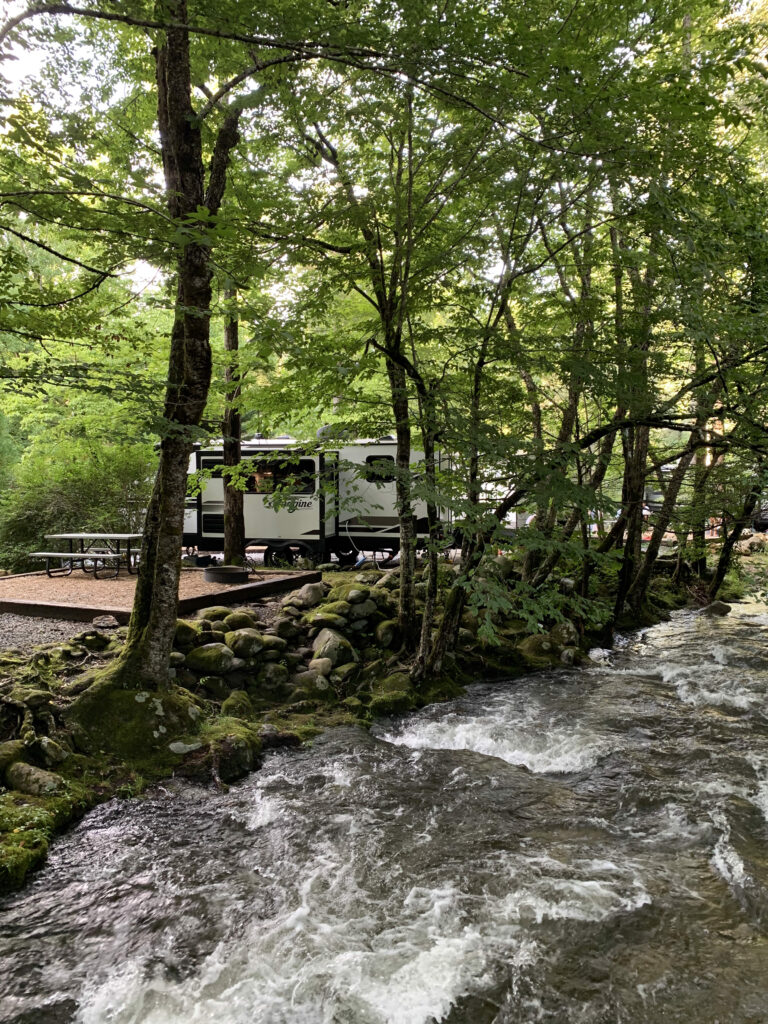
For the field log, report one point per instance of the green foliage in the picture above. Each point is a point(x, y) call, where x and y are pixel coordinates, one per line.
point(78, 485)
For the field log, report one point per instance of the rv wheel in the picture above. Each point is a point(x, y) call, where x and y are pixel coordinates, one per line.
point(275, 557)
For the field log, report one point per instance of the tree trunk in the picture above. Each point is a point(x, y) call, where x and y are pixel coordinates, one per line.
point(407, 610)
point(729, 542)
point(234, 521)
point(145, 657)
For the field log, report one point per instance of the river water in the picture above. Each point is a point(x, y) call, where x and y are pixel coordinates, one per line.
point(573, 847)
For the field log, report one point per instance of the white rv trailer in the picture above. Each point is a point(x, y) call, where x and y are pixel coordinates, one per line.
point(340, 501)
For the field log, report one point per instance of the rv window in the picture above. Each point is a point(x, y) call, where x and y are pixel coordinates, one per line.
point(267, 476)
point(380, 469)
point(212, 464)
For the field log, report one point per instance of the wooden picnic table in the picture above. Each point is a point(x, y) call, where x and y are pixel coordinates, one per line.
point(93, 550)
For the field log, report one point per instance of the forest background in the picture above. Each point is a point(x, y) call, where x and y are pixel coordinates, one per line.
point(530, 234)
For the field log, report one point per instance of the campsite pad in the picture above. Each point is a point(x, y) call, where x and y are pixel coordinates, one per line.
point(81, 597)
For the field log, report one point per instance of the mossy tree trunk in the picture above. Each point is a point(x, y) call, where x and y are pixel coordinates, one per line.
point(153, 620)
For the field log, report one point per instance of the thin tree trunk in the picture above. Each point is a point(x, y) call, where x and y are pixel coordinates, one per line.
point(730, 540)
point(234, 522)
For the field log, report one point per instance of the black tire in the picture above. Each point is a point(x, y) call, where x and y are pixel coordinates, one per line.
point(275, 558)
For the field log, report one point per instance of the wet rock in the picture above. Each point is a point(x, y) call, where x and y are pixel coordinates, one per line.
point(396, 703)
point(244, 642)
point(34, 781)
point(210, 659)
point(330, 644)
point(569, 655)
point(717, 608)
point(272, 738)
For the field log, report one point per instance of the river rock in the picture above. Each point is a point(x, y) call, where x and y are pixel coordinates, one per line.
point(238, 705)
point(306, 597)
point(321, 619)
point(350, 592)
point(717, 608)
point(345, 674)
point(322, 666)
point(10, 751)
point(390, 580)
point(330, 644)
point(244, 642)
point(240, 620)
point(26, 778)
point(211, 659)
point(362, 610)
point(105, 621)
point(311, 686)
point(568, 656)
point(539, 651)
point(565, 634)
point(285, 627)
point(186, 635)
point(216, 613)
point(387, 633)
point(272, 675)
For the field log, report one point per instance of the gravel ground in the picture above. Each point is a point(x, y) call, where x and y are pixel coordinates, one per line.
point(27, 631)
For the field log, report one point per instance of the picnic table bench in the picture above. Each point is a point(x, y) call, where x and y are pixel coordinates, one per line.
point(95, 552)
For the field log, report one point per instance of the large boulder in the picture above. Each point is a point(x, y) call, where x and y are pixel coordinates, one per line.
point(330, 644)
point(211, 659)
point(244, 642)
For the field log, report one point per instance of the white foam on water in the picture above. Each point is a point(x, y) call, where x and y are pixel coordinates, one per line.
point(513, 733)
point(725, 858)
point(342, 950)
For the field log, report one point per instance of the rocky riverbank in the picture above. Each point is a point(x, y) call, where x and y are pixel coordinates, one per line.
point(244, 680)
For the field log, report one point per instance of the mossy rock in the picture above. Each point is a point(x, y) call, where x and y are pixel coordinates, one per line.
point(388, 634)
point(26, 778)
point(336, 608)
point(539, 651)
point(216, 687)
point(245, 641)
point(321, 619)
point(211, 659)
point(187, 634)
point(216, 613)
point(330, 644)
point(274, 643)
point(234, 747)
point(396, 703)
point(285, 627)
point(311, 686)
point(133, 724)
point(352, 593)
point(272, 676)
point(565, 634)
point(394, 683)
point(363, 610)
point(240, 620)
point(355, 705)
point(305, 597)
point(238, 705)
point(10, 751)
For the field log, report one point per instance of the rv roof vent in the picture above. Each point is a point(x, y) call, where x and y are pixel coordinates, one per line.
point(387, 437)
